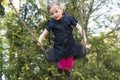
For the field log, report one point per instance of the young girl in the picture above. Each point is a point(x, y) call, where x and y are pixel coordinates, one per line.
point(64, 43)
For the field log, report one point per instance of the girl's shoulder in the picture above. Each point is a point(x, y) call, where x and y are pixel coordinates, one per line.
point(70, 19)
point(68, 16)
point(50, 22)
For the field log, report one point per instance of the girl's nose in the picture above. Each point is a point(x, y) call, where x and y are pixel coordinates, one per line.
point(55, 14)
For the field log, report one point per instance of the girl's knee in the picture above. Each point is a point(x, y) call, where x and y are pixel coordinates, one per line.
point(69, 62)
point(61, 64)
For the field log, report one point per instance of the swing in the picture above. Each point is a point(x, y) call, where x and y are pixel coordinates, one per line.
point(80, 53)
point(50, 53)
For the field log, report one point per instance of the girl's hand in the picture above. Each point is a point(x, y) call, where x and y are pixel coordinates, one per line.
point(84, 42)
point(39, 44)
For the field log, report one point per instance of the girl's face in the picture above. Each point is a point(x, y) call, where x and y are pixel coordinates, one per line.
point(56, 12)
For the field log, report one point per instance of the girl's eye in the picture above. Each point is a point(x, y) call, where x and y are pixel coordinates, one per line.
point(51, 14)
point(56, 11)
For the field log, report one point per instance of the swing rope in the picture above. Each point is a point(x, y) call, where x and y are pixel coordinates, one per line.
point(42, 48)
point(22, 20)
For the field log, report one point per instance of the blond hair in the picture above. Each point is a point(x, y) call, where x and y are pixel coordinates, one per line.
point(61, 5)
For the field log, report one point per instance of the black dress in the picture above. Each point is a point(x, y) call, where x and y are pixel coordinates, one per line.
point(64, 43)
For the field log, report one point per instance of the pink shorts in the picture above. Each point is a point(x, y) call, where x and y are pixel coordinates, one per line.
point(65, 63)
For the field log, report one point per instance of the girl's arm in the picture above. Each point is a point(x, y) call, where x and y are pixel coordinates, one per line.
point(42, 36)
point(82, 32)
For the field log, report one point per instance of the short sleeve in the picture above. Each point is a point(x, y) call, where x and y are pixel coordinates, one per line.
point(48, 26)
point(73, 21)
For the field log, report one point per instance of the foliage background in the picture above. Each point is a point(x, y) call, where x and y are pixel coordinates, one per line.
point(22, 59)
